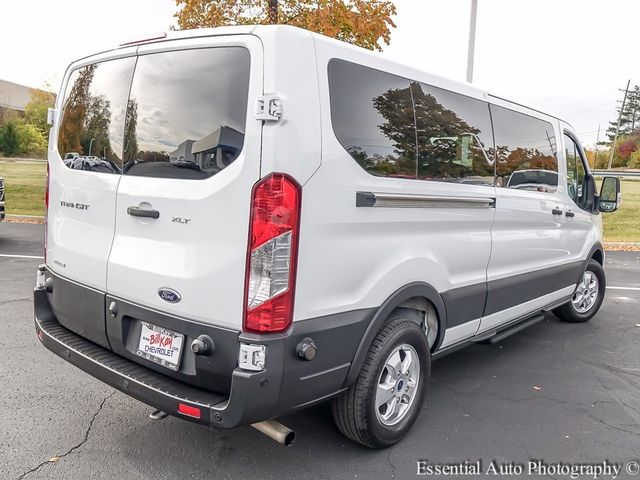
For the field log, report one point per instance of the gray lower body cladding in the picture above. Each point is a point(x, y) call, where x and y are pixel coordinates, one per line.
point(74, 323)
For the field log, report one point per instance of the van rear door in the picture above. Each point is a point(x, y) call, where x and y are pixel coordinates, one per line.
point(84, 172)
point(82, 194)
point(191, 157)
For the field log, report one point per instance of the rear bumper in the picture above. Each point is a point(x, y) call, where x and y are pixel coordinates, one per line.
point(287, 383)
point(151, 387)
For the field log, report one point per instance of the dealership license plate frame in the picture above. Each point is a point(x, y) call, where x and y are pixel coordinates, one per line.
point(150, 328)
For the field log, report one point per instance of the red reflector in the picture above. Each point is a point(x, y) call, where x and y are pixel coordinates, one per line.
point(188, 410)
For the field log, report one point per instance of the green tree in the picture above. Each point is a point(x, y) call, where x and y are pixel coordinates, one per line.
point(130, 153)
point(9, 140)
point(413, 118)
point(95, 133)
point(75, 110)
point(629, 117)
point(17, 137)
point(32, 142)
point(35, 112)
point(361, 22)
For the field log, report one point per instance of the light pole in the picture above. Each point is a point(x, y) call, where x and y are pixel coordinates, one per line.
point(472, 40)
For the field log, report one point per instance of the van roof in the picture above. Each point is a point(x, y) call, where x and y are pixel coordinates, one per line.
point(287, 30)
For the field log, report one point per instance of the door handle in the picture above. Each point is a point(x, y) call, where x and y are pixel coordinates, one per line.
point(556, 211)
point(141, 212)
point(569, 214)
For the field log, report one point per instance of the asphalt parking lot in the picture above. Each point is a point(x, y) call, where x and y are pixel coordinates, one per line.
point(557, 392)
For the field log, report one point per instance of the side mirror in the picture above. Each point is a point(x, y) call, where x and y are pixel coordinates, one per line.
point(610, 196)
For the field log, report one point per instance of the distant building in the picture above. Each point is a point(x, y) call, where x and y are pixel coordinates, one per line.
point(13, 97)
point(210, 153)
point(182, 153)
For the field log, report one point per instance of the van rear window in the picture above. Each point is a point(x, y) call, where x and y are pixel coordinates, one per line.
point(178, 114)
point(90, 135)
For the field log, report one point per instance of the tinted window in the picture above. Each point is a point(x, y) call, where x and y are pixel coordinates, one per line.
point(186, 113)
point(455, 140)
point(525, 151)
point(575, 172)
point(93, 115)
point(395, 127)
point(373, 118)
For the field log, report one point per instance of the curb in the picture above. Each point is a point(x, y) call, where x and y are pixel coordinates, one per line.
point(622, 246)
point(24, 219)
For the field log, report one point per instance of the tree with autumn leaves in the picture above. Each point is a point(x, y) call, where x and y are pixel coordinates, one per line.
point(365, 23)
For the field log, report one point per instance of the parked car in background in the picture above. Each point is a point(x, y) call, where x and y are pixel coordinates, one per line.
point(91, 162)
point(70, 157)
point(301, 220)
point(531, 179)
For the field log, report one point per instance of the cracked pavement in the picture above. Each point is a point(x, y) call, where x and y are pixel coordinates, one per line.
point(481, 403)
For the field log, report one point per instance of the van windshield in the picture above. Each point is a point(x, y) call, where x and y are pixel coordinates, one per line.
point(178, 114)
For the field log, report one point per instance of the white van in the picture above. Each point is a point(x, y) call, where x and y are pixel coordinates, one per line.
point(279, 219)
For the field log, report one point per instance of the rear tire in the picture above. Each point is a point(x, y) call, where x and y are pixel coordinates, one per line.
point(587, 298)
point(384, 402)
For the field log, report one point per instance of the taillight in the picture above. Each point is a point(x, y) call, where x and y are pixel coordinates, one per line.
point(46, 213)
point(272, 256)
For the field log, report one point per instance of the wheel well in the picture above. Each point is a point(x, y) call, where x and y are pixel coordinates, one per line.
point(427, 316)
point(598, 256)
point(418, 296)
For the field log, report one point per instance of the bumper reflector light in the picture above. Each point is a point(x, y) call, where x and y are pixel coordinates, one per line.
point(188, 410)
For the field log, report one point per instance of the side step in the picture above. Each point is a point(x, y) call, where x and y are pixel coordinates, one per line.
point(495, 337)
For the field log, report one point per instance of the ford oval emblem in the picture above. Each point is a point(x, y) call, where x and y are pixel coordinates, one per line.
point(169, 295)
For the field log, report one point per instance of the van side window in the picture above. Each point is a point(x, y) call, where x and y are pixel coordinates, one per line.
point(526, 151)
point(396, 127)
point(575, 172)
point(455, 141)
point(90, 133)
point(186, 113)
point(372, 116)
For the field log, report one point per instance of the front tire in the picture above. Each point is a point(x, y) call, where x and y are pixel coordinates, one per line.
point(587, 298)
point(387, 397)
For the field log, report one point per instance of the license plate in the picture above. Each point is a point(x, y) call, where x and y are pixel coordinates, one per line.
point(160, 345)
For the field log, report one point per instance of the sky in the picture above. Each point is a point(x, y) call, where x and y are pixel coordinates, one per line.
point(565, 57)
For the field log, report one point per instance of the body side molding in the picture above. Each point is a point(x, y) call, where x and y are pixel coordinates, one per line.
point(404, 200)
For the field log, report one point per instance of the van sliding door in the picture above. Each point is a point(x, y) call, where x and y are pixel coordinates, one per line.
point(528, 268)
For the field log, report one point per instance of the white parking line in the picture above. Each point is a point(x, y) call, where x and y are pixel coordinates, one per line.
point(637, 289)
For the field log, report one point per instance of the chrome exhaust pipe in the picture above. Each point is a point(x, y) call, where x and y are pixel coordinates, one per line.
point(276, 431)
point(158, 415)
